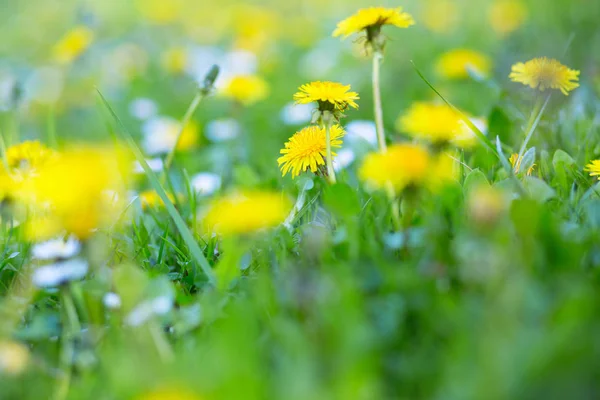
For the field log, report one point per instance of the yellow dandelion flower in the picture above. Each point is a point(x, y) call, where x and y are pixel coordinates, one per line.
point(329, 95)
point(465, 138)
point(401, 166)
point(169, 394)
point(241, 213)
point(14, 357)
point(306, 149)
point(175, 60)
point(246, 89)
point(373, 18)
point(507, 16)
point(434, 122)
point(443, 169)
point(73, 189)
point(28, 155)
point(515, 162)
point(593, 168)
point(545, 73)
point(151, 199)
point(456, 64)
point(254, 28)
point(439, 16)
point(73, 44)
point(160, 12)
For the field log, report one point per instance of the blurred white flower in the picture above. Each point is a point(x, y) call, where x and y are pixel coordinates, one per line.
point(111, 300)
point(56, 248)
point(221, 130)
point(206, 183)
point(53, 275)
point(201, 59)
point(155, 164)
point(344, 158)
point(237, 62)
point(157, 306)
point(296, 114)
point(320, 60)
point(45, 85)
point(143, 108)
point(7, 85)
point(361, 130)
point(160, 134)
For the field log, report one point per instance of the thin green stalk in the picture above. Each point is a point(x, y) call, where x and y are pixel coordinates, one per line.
point(162, 345)
point(377, 58)
point(328, 120)
point(395, 207)
point(72, 327)
point(297, 206)
point(51, 126)
point(184, 123)
point(534, 120)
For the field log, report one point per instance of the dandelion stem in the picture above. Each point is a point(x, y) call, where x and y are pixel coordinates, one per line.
point(184, 123)
point(51, 126)
point(329, 161)
point(297, 206)
point(377, 58)
point(534, 120)
point(72, 327)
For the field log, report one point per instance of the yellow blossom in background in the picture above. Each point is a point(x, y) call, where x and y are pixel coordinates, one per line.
point(246, 89)
point(434, 122)
point(74, 189)
point(254, 28)
point(175, 60)
point(465, 138)
point(593, 168)
point(373, 18)
point(485, 204)
point(247, 212)
point(456, 64)
point(545, 73)
point(515, 162)
point(306, 149)
point(160, 12)
point(506, 16)
point(151, 199)
point(41, 225)
point(73, 44)
point(14, 357)
point(329, 95)
point(28, 156)
point(442, 170)
point(401, 166)
point(439, 15)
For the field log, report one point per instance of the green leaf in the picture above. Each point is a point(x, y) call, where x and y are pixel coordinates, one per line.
point(500, 124)
point(561, 156)
point(538, 189)
point(342, 200)
point(185, 232)
point(475, 179)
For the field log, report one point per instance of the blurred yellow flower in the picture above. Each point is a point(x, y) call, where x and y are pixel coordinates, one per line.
point(241, 213)
point(151, 199)
point(465, 138)
point(437, 123)
point(329, 95)
point(439, 15)
point(373, 18)
point(169, 394)
point(515, 162)
point(14, 357)
point(593, 168)
point(254, 27)
point(442, 170)
point(506, 16)
point(306, 149)
point(80, 189)
point(73, 44)
point(456, 64)
point(160, 12)
point(401, 166)
point(174, 60)
point(28, 156)
point(246, 89)
point(485, 204)
point(545, 73)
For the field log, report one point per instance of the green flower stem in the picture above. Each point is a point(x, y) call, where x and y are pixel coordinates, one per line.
point(327, 121)
point(200, 95)
point(395, 207)
point(536, 115)
point(73, 328)
point(377, 58)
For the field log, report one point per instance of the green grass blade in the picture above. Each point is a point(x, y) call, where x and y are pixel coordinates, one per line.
point(186, 234)
point(480, 135)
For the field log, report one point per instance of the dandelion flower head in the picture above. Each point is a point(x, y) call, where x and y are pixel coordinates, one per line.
point(401, 166)
point(73, 44)
point(545, 73)
point(151, 199)
point(246, 89)
point(241, 213)
point(439, 16)
point(373, 17)
point(456, 64)
point(515, 162)
point(433, 122)
point(593, 168)
point(306, 149)
point(329, 95)
point(506, 16)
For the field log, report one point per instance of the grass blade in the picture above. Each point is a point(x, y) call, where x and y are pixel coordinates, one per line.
point(186, 234)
